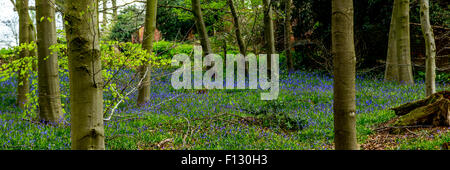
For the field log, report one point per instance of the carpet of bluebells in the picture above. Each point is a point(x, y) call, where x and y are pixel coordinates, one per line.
point(218, 119)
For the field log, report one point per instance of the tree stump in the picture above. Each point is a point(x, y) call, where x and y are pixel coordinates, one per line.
point(434, 110)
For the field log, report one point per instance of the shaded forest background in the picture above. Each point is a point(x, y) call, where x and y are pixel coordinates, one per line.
point(311, 31)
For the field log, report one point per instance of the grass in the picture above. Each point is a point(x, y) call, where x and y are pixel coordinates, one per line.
point(302, 117)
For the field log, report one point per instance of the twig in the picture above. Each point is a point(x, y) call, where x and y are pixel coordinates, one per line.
point(123, 97)
point(187, 131)
point(401, 127)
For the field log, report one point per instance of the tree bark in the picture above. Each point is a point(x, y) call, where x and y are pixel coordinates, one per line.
point(149, 34)
point(201, 28)
point(268, 31)
point(344, 59)
point(287, 36)
point(32, 36)
point(86, 84)
point(24, 38)
point(237, 27)
point(391, 72)
point(430, 46)
point(398, 62)
point(104, 14)
point(403, 43)
point(49, 92)
point(114, 6)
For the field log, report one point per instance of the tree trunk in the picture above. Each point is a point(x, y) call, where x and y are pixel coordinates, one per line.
point(391, 72)
point(268, 31)
point(398, 62)
point(49, 93)
point(344, 59)
point(104, 14)
point(149, 34)
point(86, 84)
point(201, 28)
point(24, 38)
point(287, 35)
point(33, 33)
point(403, 43)
point(114, 6)
point(225, 52)
point(237, 27)
point(430, 47)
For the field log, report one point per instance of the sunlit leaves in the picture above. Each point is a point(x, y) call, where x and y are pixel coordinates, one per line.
point(16, 64)
point(116, 57)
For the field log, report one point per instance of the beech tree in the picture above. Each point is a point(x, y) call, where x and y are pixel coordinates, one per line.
point(430, 48)
point(114, 7)
point(268, 30)
point(104, 13)
point(398, 62)
point(48, 79)
point(86, 84)
point(403, 42)
point(149, 34)
point(237, 27)
point(32, 35)
point(287, 34)
point(24, 38)
point(344, 60)
point(391, 72)
point(201, 28)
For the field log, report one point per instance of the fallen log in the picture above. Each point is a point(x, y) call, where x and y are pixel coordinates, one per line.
point(434, 110)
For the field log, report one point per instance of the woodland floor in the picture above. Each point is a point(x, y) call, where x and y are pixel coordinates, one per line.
point(411, 138)
point(301, 118)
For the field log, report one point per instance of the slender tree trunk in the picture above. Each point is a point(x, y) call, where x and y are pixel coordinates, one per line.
point(287, 36)
point(23, 87)
point(86, 83)
point(344, 59)
point(241, 44)
point(32, 36)
point(225, 52)
point(49, 93)
point(403, 43)
point(201, 28)
point(149, 34)
point(268, 31)
point(237, 27)
point(430, 47)
point(104, 14)
point(391, 72)
point(32, 31)
point(114, 6)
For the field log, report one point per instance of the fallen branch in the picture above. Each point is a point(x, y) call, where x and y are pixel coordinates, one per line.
point(434, 110)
